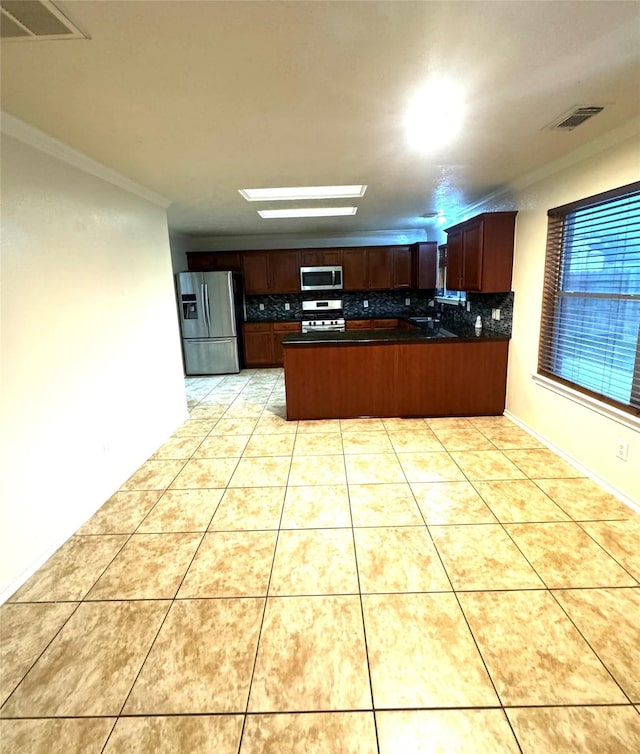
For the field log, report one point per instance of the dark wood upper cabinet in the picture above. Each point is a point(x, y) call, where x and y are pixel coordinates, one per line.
point(480, 253)
point(472, 254)
point(208, 261)
point(285, 271)
point(379, 268)
point(354, 269)
point(227, 260)
point(403, 276)
point(320, 257)
point(200, 261)
point(454, 260)
point(364, 267)
point(255, 271)
point(425, 265)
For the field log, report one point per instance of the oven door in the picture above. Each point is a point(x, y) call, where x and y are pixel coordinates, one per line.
point(320, 278)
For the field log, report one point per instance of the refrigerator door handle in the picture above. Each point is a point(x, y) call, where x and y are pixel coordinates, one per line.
point(230, 285)
point(205, 304)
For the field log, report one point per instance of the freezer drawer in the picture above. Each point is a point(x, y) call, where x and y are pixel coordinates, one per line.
point(211, 356)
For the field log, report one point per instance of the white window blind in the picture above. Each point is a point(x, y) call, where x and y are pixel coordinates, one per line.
point(589, 335)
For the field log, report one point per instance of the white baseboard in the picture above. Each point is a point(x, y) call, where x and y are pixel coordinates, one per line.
point(619, 494)
point(33, 567)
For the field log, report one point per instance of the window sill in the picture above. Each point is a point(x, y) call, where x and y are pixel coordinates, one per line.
point(610, 412)
point(449, 300)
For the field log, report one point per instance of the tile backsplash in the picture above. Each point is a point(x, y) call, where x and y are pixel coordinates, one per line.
point(387, 304)
point(481, 304)
point(381, 304)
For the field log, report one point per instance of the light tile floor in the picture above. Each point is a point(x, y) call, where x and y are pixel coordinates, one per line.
point(392, 586)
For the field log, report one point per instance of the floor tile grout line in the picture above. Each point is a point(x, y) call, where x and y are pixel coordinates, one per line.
point(549, 591)
point(588, 643)
point(264, 610)
point(364, 625)
point(604, 549)
point(162, 623)
point(172, 601)
point(553, 523)
point(45, 648)
point(484, 663)
point(356, 710)
point(130, 534)
point(502, 590)
point(467, 622)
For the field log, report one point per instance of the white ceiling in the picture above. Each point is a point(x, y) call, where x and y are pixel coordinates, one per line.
point(195, 100)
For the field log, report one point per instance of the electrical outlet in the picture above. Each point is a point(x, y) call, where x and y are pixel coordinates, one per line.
point(407, 302)
point(261, 307)
point(431, 304)
point(497, 311)
point(468, 306)
point(287, 307)
point(623, 450)
point(365, 304)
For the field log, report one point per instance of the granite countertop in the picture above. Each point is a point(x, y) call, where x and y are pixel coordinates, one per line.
point(418, 335)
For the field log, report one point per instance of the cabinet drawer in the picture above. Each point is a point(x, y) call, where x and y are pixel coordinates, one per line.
point(384, 324)
point(257, 326)
point(359, 324)
point(286, 327)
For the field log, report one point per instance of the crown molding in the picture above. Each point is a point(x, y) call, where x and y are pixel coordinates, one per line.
point(34, 137)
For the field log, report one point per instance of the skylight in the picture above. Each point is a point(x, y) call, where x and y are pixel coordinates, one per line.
point(272, 214)
point(302, 192)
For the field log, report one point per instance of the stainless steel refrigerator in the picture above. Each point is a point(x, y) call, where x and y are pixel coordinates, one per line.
point(208, 316)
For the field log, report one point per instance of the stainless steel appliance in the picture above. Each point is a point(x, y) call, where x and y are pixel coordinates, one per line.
point(208, 315)
point(323, 316)
point(320, 278)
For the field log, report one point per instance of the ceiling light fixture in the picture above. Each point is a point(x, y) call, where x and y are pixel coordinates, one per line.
point(273, 214)
point(302, 192)
point(435, 115)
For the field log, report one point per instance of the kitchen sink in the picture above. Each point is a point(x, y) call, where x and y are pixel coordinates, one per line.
point(431, 327)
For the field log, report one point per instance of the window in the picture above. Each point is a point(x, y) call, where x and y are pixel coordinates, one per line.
point(444, 294)
point(590, 336)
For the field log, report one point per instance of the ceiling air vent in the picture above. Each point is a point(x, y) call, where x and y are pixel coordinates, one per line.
point(575, 117)
point(30, 20)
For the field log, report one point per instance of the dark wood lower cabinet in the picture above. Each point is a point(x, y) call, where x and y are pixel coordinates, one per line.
point(258, 344)
point(280, 329)
point(263, 342)
point(389, 379)
point(372, 324)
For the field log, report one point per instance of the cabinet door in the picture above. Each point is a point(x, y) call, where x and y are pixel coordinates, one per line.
point(280, 329)
point(255, 270)
point(402, 267)
point(258, 345)
point(354, 264)
point(200, 261)
point(285, 272)
point(227, 260)
point(320, 257)
point(454, 261)
point(425, 265)
point(379, 268)
point(472, 257)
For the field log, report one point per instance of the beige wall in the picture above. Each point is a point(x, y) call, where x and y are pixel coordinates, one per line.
point(587, 437)
point(180, 244)
point(92, 378)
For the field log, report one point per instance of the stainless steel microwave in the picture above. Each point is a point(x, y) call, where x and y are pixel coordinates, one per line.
point(321, 278)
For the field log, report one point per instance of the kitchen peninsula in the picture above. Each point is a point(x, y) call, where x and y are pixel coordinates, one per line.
point(400, 372)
